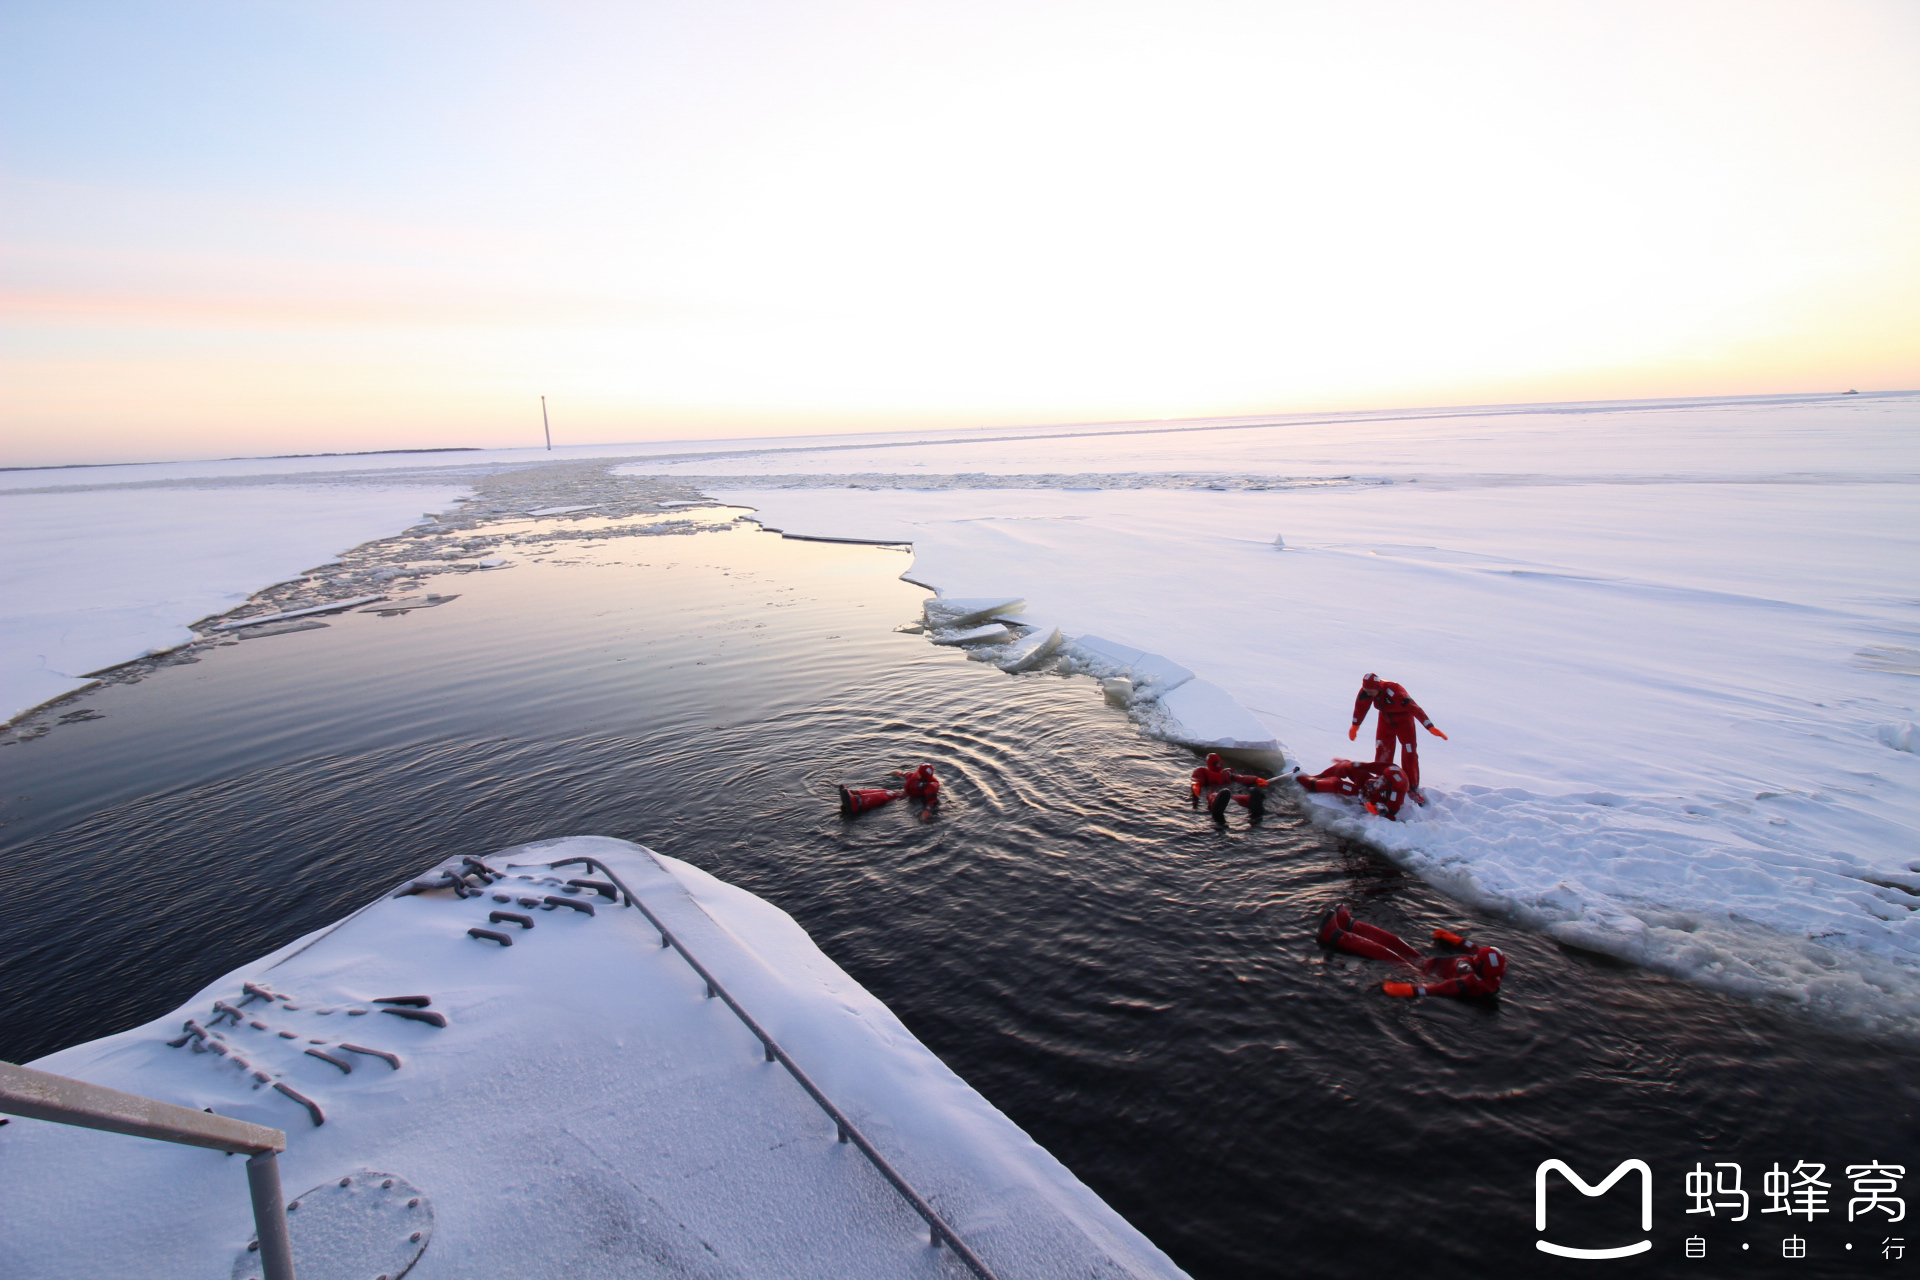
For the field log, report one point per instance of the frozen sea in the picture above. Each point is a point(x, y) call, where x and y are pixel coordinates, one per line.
point(1134, 988)
point(1675, 645)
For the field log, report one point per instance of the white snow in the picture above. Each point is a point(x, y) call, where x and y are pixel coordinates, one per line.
point(99, 577)
point(586, 1110)
point(1901, 737)
point(1674, 648)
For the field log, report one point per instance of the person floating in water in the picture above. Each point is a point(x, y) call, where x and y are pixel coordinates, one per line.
point(1381, 788)
point(1478, 972)
point(1213, 786)
point(1253, 800)
point(1397, 711)
point(1209, 779)
point(855, 800)
point(918, 784)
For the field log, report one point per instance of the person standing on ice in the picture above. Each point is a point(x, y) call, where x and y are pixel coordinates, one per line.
point(1397, 711)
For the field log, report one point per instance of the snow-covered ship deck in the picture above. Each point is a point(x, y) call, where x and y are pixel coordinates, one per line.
point(584, 1110)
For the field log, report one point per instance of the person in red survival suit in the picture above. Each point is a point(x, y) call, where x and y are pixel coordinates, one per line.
point(1397, 711)
point(860, 799)
point(1381, 788)
point(1477, 973)
point(1254, 800)
point(920, 784)
point(1209, 779)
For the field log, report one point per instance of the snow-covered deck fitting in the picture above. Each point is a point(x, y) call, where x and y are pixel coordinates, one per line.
point(583, 1109)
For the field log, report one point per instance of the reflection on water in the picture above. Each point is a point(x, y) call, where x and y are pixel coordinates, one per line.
point(1137, 989)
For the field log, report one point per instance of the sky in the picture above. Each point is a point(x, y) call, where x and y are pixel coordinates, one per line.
point(277, 227)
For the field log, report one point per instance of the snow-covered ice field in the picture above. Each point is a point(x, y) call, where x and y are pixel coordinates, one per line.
point(98, 577)
point(1675, 648)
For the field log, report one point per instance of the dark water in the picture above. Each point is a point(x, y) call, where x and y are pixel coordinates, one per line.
point(1135, 988)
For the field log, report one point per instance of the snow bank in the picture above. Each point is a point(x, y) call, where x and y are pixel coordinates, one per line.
point(1677, 706)
point(584, 1111)
point(96, 578)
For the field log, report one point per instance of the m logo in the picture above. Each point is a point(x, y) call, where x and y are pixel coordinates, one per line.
point(1588, 1189)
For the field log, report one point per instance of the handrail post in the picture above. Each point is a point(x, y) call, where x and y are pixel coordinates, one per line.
point(270, 1217)
point(41, 1095)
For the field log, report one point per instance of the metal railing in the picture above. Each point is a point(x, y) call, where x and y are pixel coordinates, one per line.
point(938, 1231)
point(41, 1095)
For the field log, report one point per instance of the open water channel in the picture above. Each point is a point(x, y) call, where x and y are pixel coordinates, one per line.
point(1137, 989)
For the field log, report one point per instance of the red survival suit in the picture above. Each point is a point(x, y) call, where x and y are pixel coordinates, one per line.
point(1213, 784)
point(1397, 711)
point(1254, 801)
point(1382, 788)
point(1477, 973)
point(860, 799)
point(1209, 779)
point(920, 784)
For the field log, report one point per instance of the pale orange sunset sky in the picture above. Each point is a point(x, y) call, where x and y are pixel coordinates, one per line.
point(245, 228)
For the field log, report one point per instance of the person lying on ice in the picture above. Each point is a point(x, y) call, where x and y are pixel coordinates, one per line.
point(1397, 711)
point(1477, 973)
point(1381, 788)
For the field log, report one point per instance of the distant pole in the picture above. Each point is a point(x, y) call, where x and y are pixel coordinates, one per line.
point(545, 425)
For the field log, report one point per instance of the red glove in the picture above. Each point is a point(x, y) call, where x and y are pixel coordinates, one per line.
point(1435, 732)
point(1402, 989)
point(1353, 731)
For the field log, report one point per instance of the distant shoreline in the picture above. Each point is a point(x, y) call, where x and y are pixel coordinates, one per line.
point(265, 457)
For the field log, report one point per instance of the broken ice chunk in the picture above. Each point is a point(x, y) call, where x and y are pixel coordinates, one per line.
point(951, 614)
point(406, 604)
point(1152, 675)
point(992, 633)
point(294, 613)
point(280, 629)
point(1118, 692)
point(1030, 652)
